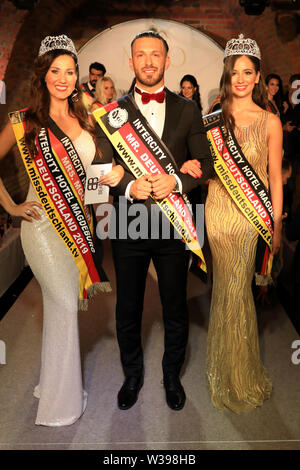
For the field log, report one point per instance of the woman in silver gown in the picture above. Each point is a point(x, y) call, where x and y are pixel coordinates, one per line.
point(62, 399)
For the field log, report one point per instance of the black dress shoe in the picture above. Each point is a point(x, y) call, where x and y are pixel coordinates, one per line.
point(129, 392)
point(175, 395)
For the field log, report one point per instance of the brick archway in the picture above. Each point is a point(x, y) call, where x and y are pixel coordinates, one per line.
point(83, 19)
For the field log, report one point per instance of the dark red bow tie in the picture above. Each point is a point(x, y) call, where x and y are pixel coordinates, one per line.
point(146, 97)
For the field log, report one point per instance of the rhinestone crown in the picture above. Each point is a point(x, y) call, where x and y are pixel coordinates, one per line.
point(242, 46)
point(57, 42)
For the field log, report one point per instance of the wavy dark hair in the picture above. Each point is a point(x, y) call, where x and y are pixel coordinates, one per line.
point(259, 93)
point(39, 104)
point(193, 81)
point(278, 98)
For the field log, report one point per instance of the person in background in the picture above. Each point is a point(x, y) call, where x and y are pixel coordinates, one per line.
point(291, 134)
point(216, 104)
point(189, 88)
point(287, 171)
point(292, 232)
point(291, 120)
point(105, 93)
point(275, 94)
point(262, 295)
point(96, 71)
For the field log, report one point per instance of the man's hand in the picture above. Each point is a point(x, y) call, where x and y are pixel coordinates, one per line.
point(192, 167)
point(287, 127)
point(162, 185)
point(141, 188)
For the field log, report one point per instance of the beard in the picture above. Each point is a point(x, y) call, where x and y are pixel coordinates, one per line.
point(152, 80)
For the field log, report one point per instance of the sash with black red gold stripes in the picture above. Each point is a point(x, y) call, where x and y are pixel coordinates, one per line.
point(243, 185)
point(144, 152)
point(87, 98)
point(58, 178)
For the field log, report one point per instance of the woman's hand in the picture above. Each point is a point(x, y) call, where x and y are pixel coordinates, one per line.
point(285, 106)
point(192, 167)
point(26, 210)
point(114, 177)
point(276, 240)
point(262, 295)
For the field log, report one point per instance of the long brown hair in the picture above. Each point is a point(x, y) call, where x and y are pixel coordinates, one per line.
point(259, 94)
point(38, 111)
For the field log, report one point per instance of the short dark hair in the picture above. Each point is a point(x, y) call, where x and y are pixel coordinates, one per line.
point(294, 77)
point(151, 34)
point(97, 66)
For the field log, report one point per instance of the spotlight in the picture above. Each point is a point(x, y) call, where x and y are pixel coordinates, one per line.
point(24, 4)
point(287, 25)
point(254, 7)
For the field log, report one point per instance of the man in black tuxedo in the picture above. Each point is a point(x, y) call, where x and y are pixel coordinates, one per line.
point(96, 71)
point(177, 121)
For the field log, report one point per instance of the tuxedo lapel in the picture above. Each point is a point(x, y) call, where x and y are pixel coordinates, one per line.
point(172, 109)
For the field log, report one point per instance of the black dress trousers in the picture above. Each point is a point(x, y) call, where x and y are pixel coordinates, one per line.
point(171, 259)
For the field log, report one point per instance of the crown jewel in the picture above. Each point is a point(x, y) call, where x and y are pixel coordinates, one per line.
point(57, 42)
point(242, 46)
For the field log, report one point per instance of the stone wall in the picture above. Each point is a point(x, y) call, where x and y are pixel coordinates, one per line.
point(21, 32)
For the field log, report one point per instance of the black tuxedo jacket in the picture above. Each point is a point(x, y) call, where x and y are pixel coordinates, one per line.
point(185, 137)
point(85, 87)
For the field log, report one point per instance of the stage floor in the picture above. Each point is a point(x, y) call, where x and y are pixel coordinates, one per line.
point(149, 424)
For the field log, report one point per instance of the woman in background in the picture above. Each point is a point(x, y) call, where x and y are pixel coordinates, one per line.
point(105, 93)
point(189, 88)
point(275, 94)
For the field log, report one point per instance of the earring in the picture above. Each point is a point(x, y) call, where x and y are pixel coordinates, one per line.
point(74, 96)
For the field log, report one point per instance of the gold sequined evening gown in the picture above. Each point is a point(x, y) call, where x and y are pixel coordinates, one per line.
point(236, 377)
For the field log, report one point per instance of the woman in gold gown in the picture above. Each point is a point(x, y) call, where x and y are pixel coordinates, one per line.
point(236, 377)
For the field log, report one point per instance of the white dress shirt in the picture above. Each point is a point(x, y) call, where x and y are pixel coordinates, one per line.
point(91, 87)
point(155, 114)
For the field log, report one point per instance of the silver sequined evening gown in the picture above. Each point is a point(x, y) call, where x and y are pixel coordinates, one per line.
point(62, 399)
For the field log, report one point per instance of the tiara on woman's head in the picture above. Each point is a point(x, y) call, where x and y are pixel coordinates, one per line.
point(242, 46)
point(51, 43)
